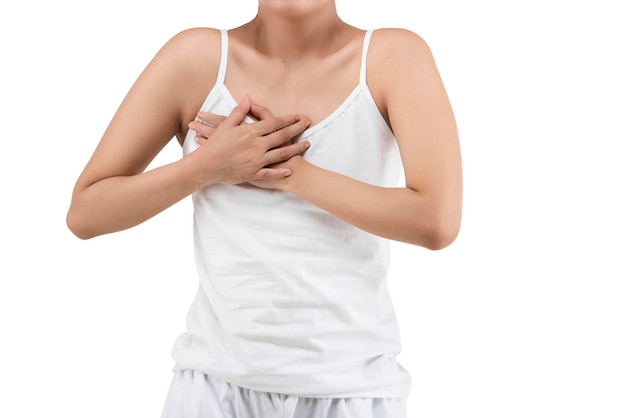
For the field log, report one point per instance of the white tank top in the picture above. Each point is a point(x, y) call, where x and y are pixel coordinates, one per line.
point(292, 299)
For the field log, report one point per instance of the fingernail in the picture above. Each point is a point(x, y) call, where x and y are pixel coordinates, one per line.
point(191, 125)
point(307, 144)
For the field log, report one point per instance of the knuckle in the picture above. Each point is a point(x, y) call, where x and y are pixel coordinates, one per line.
point(284, 135)
point(277, 125)
point(253, 131)
point(266, 174)
point(259, 163)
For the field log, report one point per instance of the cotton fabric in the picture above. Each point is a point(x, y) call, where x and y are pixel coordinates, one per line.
point(291, 299)
point(196, 395)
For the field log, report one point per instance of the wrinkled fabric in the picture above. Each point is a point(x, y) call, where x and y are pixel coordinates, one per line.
point(292, 299)
point(196, 395)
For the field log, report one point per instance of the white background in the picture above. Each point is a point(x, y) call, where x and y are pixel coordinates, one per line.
point(523, 316)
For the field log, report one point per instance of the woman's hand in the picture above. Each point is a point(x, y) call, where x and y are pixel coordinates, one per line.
point(295, 164)
point(246, 152)
point(205, 124)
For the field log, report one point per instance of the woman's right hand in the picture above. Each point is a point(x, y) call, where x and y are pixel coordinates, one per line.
point(118, 189)
point(233, 152)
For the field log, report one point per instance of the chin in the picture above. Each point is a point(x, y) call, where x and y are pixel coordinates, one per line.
point(294, 8)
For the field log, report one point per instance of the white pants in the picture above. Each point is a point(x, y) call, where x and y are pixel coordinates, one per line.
point(196, 395)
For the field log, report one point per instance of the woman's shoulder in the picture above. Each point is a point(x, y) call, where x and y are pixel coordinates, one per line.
point(190, 56)
point(195, 42)
point(398, 41)
point(185, 68)
point(397, 57)
point(397, 51)
point(187, 52)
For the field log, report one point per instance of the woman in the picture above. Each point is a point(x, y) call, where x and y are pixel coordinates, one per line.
point(293, 213)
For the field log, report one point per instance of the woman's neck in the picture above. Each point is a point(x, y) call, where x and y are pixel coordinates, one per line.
point(293, 33)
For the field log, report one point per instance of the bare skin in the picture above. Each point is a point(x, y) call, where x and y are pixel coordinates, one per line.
point(300, 60)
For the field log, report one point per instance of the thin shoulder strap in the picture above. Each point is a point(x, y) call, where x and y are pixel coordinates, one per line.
point(221, 73)
point(366, 44)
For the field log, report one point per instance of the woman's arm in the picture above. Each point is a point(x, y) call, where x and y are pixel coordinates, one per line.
point(114, 193)
point(405, 82)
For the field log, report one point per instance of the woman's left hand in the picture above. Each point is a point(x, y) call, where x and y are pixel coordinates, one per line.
point(295, 164)
point(205, 124)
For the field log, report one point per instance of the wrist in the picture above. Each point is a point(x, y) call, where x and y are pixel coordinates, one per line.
point(196, 171)
point(300, 169)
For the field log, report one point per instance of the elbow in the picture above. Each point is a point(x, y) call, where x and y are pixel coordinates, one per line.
point(441, 224)
point(440, 240)
point(77, 225)
point(441, 233)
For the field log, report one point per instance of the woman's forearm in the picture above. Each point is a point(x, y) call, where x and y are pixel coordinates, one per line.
point(234, 154)
point(400, 214)
point(117, 203)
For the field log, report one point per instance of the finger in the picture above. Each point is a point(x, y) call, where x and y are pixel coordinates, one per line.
point(210, 118)
point(202, 129)
point(272, 174)
point(199, 139)
point(260, 112)
point(204, 122)
point(278, 155)
point(286, 133)
point(238, 114)
point(292, 123)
